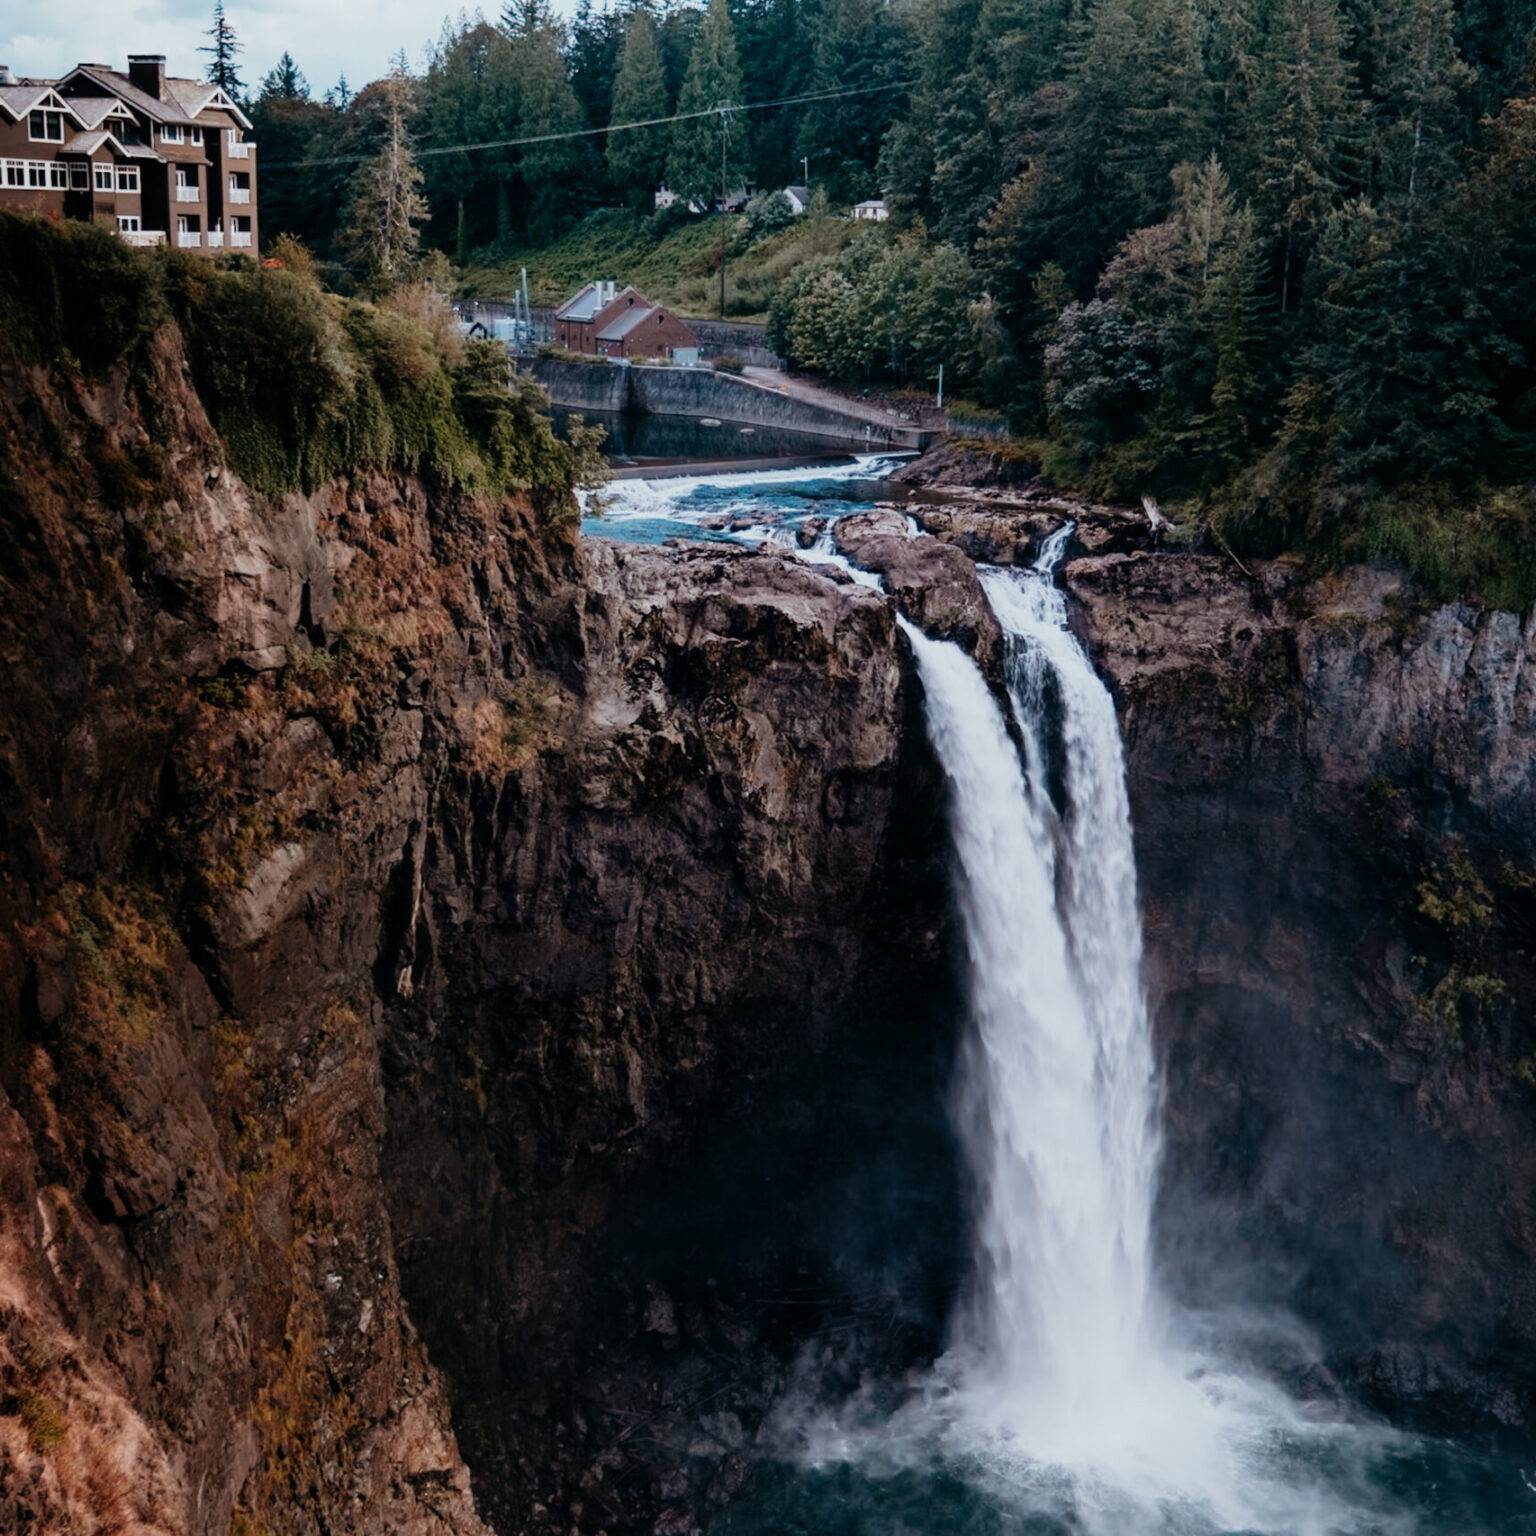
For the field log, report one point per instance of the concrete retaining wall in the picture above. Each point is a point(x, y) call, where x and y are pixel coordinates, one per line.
point(698, 392)
point(584, 386)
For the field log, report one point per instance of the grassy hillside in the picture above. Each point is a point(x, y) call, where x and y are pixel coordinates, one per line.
point(671, 262)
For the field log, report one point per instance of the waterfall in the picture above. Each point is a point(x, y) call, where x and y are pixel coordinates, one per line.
point(1069, 1379)
point(1056, 1098)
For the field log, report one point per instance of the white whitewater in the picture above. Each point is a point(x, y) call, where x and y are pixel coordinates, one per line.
point(1066, 1385)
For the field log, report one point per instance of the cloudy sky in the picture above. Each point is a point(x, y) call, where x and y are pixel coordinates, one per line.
point(46, 37)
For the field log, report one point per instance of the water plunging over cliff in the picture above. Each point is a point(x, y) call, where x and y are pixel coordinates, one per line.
point(1074, 1397)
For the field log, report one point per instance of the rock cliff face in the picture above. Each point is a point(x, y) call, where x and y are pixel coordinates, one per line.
point(431, 945)
point(479, 1003)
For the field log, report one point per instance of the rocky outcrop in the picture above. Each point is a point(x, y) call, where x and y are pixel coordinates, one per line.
point(933, 584)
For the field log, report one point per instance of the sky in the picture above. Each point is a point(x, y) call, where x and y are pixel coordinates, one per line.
point(326, 37)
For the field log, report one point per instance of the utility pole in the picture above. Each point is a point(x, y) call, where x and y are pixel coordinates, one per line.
point(805, 165)
point(941, 387)
point(723, 131)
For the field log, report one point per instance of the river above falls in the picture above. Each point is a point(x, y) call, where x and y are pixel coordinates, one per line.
point(745, 506)
point(641, 444)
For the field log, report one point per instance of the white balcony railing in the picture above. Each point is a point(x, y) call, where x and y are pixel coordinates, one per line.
point(188, 239)
point(185, 194)
point(215, 239)
point(239, 149)
point(143, 236)
point(240, 238)
point(239, 194)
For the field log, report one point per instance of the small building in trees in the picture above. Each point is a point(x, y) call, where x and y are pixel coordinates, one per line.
point(799, 199)
point(604, 321)
point(871, 211)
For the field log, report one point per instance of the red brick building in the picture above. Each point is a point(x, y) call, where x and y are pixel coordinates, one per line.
point(607, 322)
point(155, 156)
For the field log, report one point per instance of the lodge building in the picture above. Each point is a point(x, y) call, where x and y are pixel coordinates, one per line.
point(154, 156)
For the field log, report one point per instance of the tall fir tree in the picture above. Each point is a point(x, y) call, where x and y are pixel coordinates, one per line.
point(697, 161)
point(637, 158)
point(384, 224)
point(859, 46)
point(1417, 128)
point(223, 49)
point(285, 80)
point(558, 174)
point(1304, 128)
point(592, 58)
point(522, 18)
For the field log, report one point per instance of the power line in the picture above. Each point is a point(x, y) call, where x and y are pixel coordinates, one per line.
point(586, 133)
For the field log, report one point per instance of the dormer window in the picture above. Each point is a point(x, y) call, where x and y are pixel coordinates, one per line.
point(170, 133)
point(45, 127)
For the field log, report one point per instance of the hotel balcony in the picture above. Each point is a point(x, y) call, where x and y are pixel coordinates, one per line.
point(189, 239)
point(142, 236)
point(239, 149)
point(240, 238)
point(188, 194)
point(215, 239)
point(239, 194)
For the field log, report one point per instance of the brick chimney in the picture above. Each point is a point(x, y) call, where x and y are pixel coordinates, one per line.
point(147, 71)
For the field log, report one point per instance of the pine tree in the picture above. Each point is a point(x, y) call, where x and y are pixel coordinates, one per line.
point(522, 18)
point(1304, 119)
point(471, 95)
point(223, 46)
point(285, 80)
point(592, 58)
point(637, 158)
point(858, 45)
point(340, 94)
point(695, 165)
point(1416, 120)
point(557, 174)
point(776, 48)
point(1131, 113)
point(387, 211)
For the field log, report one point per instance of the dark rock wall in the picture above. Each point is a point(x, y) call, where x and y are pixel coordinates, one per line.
point(400, 905)
point(1333, 793)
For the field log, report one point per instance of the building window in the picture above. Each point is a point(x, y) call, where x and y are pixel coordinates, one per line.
point(102, 177)
point(194, 135)
point(37, 173)
point(58, 175)
point(46, 127)
point(15, 173)
point(128, 222)
point(127, 178)
point(79, 176)
point(170, 133)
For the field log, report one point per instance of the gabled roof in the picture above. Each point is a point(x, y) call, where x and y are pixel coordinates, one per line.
point(580, 306)
point(584, 303)
point(88, 143)
point(199, 95)
point(118, 84)
point(18, 100)
point(800, 194)
point(92, 111)
point(621, 325)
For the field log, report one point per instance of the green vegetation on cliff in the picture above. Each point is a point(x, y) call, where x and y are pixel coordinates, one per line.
point(300, 384)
